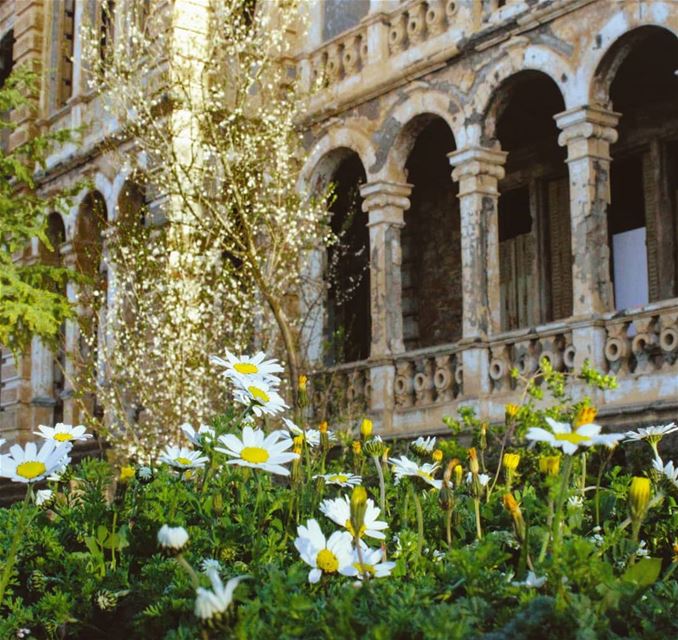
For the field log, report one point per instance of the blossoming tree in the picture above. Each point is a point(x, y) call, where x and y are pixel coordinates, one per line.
point(208, 106)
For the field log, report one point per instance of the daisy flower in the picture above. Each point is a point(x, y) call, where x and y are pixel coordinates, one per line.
point(213, 602)
point(198, 438)
point(653, 435)
point(32, 465)
point(63, 432)
point(249, 368)
point(172, 537)
point(43, 496)
point(312, 436)
point(258, 451)
point(341, 479)
point(483, 478)
point(333, 555)
point(569, 439)
point(371, 564)
point(339, 511)
point(405, 467)
point(182, 458)
point(261, 397)
point(423, 445)
point(532, 581)
point(669, 470)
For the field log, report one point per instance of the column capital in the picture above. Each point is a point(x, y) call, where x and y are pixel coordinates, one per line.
point(386, 202)
point(477, 164)
point(67, 253)
point(587, 131)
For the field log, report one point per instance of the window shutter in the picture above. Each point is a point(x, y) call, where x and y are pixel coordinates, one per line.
point(560, 245)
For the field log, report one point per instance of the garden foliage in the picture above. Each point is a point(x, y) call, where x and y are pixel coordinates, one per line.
point(502, 531)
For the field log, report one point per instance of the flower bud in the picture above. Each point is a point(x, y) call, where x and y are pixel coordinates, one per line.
point(323, 426)
point(445, 497)
point(473, 460)
point(483, 435)
point(585, 415)
point(458, 475)
point(437, 455)
point(357, 447)
point(126, 473)
point(374, 447)
point(511, 461)
point(512, 411)
point(172, 538)
point(298, 441)
point(512, 506)
point(358, 507)
point(549, 465)
point(303, 381)
point(639, 497)
point(366, 428)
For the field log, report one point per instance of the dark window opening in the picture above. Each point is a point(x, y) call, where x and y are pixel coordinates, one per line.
point(348, 309)
point(65, 89)
point(515, 218)
point(431, 243)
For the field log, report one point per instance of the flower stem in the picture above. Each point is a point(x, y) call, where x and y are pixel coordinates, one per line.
point(189, 569)
point(420, 521)
point(560, 500)
point(382, 486)
point(448, 527)
point(18, 534)
point(479, 529)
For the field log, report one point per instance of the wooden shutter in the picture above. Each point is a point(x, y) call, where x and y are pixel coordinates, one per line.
point(560, 247)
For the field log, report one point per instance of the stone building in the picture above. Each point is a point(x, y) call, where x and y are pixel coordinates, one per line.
point(506, 176)
point(516, 168)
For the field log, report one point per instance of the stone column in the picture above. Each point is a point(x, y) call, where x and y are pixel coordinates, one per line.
point(478, 171)
point(588, 132)
point(386, 203)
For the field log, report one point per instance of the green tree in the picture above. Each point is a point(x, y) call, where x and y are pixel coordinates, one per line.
point(31, 301)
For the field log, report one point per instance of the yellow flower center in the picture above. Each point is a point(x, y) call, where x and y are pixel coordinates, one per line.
point(339, 477)
point(31, 469)
point(255, 455)
point(574, 438)
point(364, 568)
point(183, 461)
point(258, 394)
point(62, 437)
point(246, 368)
point(327, 561)
point(424, 475)
point(351, 530)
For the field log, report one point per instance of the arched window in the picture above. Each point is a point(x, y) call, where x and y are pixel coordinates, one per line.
point(643, 216)
point(535, 254)
point(348, 302)
point(430, 240)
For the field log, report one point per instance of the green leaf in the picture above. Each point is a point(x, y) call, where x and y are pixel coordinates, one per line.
point(644, 572)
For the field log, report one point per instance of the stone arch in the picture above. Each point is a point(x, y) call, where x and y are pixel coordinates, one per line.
point(329, 151)
point(395, 142)
point(614, 41)
point(534, 58)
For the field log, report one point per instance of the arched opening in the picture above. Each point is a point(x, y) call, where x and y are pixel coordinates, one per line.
point(431, 249)
point(535, 254)
point(348, 328)
point(89, 246)
point(88, 242)
point(643, 216)
point(133, 207)
point(56, 234)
